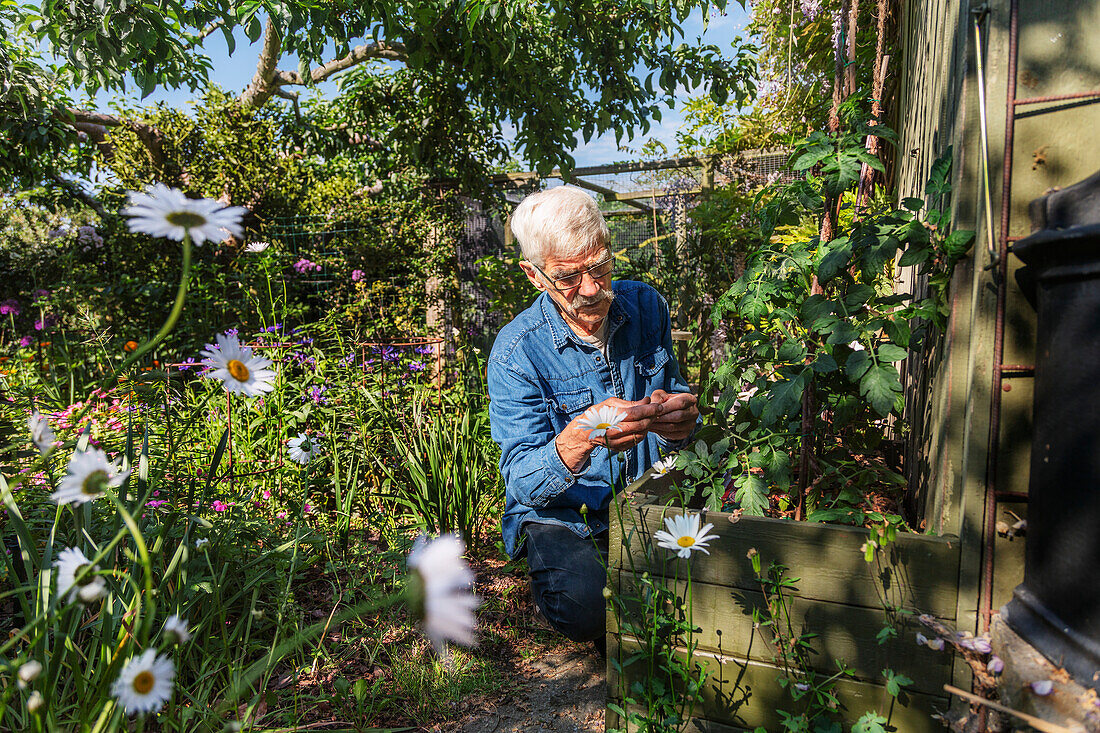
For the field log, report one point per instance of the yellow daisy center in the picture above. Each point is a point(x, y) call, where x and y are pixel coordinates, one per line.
point(87, 578)
point(95, 482)
point(686, 541)
point(143, 682)
point(185, 219)
point(603, 426)
point(237, 370)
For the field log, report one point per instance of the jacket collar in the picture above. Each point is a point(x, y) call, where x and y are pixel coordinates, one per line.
point(562, 334)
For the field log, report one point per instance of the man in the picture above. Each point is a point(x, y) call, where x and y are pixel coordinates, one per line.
point(585, 341)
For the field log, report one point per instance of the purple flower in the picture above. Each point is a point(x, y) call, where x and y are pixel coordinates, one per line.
point(303, 266)
point(11, 305)
point(273, 329)
point(388, 353)
point(996, 665)
point(424, 350)
point(186, 366)
point(1042, 688)
point(231, 331)
point(811, 9)
point(40, 293)
point(48, 322)
point(357, 275)
point(317, 395)
point(416, 366)
point(26, 341)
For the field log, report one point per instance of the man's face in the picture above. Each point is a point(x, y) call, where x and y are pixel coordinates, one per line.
point(584, 305)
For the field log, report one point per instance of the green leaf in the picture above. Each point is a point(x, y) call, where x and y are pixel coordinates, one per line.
point(824, 363)
point(958, 243)
point(914, 256)
point(815, 307)
point(843, 333)
point(891, 353)
point(840, 251)
point(894, 682)
point(792, 351)
point(752, 494)
point(783, 398)
point(938, 183)
point(912, 204)
point(881, 386)
point(857, 364)
point(871, 722)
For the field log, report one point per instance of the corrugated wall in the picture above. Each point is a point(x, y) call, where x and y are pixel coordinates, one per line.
point(950, 389)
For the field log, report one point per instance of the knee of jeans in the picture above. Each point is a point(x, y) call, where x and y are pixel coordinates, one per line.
point(581, 617)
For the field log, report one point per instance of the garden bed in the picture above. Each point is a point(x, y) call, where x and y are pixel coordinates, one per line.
point(838, 596)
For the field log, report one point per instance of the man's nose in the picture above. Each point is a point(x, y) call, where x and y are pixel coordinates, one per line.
point(589, 285)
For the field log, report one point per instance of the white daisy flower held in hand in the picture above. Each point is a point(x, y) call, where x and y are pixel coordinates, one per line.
point(41, 433)
point(683, 535)
point(167, 212)
point(70, 563)
point(175, 630)
point(145, 683)
point(88, 475)
point(600, 419)
point(237, 368)
point(301, 449)
point(663, 466)
point(440, 583)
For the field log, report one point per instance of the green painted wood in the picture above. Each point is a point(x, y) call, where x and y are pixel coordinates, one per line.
point(613, 722)
point(746, 694)
point(846, 633)
point(919, 573)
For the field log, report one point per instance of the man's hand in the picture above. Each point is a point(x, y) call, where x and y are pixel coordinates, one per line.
point(574, 445)
point(676, 421)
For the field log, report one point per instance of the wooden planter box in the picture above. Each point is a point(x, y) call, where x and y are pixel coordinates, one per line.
point(839, 597)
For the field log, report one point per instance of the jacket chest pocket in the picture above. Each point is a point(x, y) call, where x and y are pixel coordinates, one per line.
point(651, 364)
point(567, 403)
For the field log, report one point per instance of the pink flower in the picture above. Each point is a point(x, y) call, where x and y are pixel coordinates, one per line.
point(357, 275)
point(219, 506)
point(267, 494)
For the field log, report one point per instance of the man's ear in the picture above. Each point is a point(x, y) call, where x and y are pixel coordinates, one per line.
point(532, 274)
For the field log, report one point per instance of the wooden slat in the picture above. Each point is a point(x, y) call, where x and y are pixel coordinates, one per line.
point(919, 572)
point(746, 695)
point(846, 633)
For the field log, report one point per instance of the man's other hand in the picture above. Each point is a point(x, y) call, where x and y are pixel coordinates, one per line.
point(676, 421)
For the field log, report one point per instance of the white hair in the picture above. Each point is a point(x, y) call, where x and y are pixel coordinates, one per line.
point(559, 222)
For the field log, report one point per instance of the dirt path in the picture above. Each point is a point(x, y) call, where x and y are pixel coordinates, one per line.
point(562, 690)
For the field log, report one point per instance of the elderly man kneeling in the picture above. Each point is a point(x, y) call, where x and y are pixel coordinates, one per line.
point(586, 341)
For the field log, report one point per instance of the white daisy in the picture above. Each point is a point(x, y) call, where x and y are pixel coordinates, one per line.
point(70, 562)
point(256, 247)
point(302, 448)
point(167, 212)
point(88, 475)
point(239, 370)
point(145, 683)
point(600, 419)
point(441, 591)
point(41, 433)
point(663, 466)
point(28, 672)
point(683, 535)
point(175, 630)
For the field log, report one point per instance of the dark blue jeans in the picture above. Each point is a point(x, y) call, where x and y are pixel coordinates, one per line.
point(568, 576)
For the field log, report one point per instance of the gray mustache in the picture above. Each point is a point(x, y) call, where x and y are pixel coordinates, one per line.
point(584, 300)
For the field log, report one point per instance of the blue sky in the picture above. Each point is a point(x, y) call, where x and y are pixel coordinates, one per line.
point(234, 72)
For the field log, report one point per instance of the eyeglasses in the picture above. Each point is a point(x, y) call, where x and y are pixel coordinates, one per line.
point(573, 279)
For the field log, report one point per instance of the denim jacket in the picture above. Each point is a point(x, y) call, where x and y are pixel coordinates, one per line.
point(541, 376)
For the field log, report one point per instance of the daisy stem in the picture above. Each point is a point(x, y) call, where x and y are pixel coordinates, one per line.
point(174, 315)
point(143, 554)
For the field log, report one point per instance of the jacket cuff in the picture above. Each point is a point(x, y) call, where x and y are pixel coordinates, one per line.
point(558, 476)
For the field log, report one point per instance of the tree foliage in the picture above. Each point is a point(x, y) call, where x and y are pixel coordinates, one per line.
point(559, 70)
